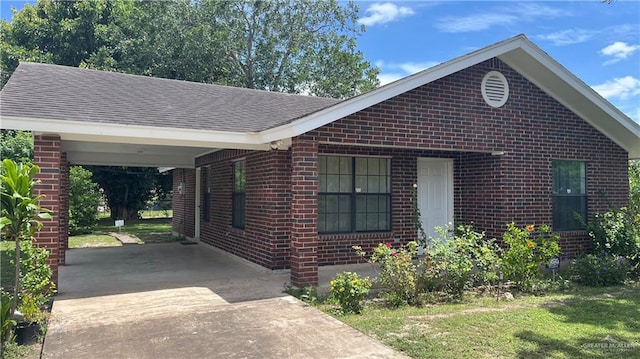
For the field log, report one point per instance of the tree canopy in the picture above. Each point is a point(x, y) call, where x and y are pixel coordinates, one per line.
point(299, 46)
point(16, 145)
point(129, 188)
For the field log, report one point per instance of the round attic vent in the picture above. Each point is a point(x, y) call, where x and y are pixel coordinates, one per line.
point(495, 89)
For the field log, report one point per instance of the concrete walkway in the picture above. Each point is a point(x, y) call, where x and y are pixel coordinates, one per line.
point(178, 301)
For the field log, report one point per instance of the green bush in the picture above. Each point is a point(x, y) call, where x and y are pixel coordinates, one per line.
point(349, 290)
point(307, 293)
point(397, 271)
point(84, 199)
point(458, 263)
point(601, 269)
point(528, 249)
point(634, 188)
point(617, 232)
point(36, 284)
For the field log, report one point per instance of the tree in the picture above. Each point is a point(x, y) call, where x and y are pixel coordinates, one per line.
point(291, 46)
point(129, 188)
point(20, 211)
point(84, 199)
point(288, 46)
point(16, 145)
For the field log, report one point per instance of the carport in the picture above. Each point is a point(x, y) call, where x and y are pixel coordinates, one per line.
point(88, 117)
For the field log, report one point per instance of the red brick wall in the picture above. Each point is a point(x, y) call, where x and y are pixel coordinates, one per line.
point(64, 209)
point(304, 211)
point(531, 128)
point(183, 205)
point(447, 119)
point(265, 239)
point(52, 162)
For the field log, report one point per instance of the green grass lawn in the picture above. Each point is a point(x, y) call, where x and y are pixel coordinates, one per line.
point(93, 240)
point(148, 230)
point(581, 323)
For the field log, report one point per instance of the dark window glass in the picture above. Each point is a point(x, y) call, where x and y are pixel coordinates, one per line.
point(569, 195)
point(239, 194)
point(354, 200)
point(207, 193)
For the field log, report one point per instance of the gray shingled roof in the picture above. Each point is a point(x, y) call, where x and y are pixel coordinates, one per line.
point(68, 93)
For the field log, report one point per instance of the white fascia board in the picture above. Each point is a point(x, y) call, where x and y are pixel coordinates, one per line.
point(106, 132)
point(361, 102)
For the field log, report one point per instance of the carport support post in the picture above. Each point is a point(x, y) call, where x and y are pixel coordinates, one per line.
point(54, 186)
point(304, 211)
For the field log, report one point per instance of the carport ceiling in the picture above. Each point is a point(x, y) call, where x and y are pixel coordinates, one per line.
point(118, 154)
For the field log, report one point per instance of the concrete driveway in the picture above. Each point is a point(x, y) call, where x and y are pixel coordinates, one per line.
point(188, 301)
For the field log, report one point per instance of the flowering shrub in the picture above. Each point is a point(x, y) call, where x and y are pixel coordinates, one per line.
point(601, 269)
point(348, 289)
point(397, 273)
point(458, 263)
point(528, 249)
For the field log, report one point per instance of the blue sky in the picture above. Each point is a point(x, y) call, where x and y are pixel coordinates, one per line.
point(599, 43)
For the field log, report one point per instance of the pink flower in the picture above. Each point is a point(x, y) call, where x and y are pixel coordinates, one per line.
point(394, 254)
point(388, 244)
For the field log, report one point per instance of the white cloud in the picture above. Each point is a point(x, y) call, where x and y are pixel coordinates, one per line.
point(473, 23)
point(386, 78)
point(619, 50)
point(413, 67)
point(382, 13)
point(390, 72)
point(567, 37)
point(621, 88)
point(499, 16)
point(624, 93)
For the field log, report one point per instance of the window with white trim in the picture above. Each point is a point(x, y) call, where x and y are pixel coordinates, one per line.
point(354, 194)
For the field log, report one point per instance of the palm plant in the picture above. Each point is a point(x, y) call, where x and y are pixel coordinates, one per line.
point(20, 211)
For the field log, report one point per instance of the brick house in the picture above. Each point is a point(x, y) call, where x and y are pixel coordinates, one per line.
point(502, 134)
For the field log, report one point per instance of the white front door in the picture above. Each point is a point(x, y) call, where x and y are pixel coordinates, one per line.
point(435, 194)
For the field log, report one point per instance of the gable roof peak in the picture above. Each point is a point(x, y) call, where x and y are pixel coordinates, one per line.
point(522, 55)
